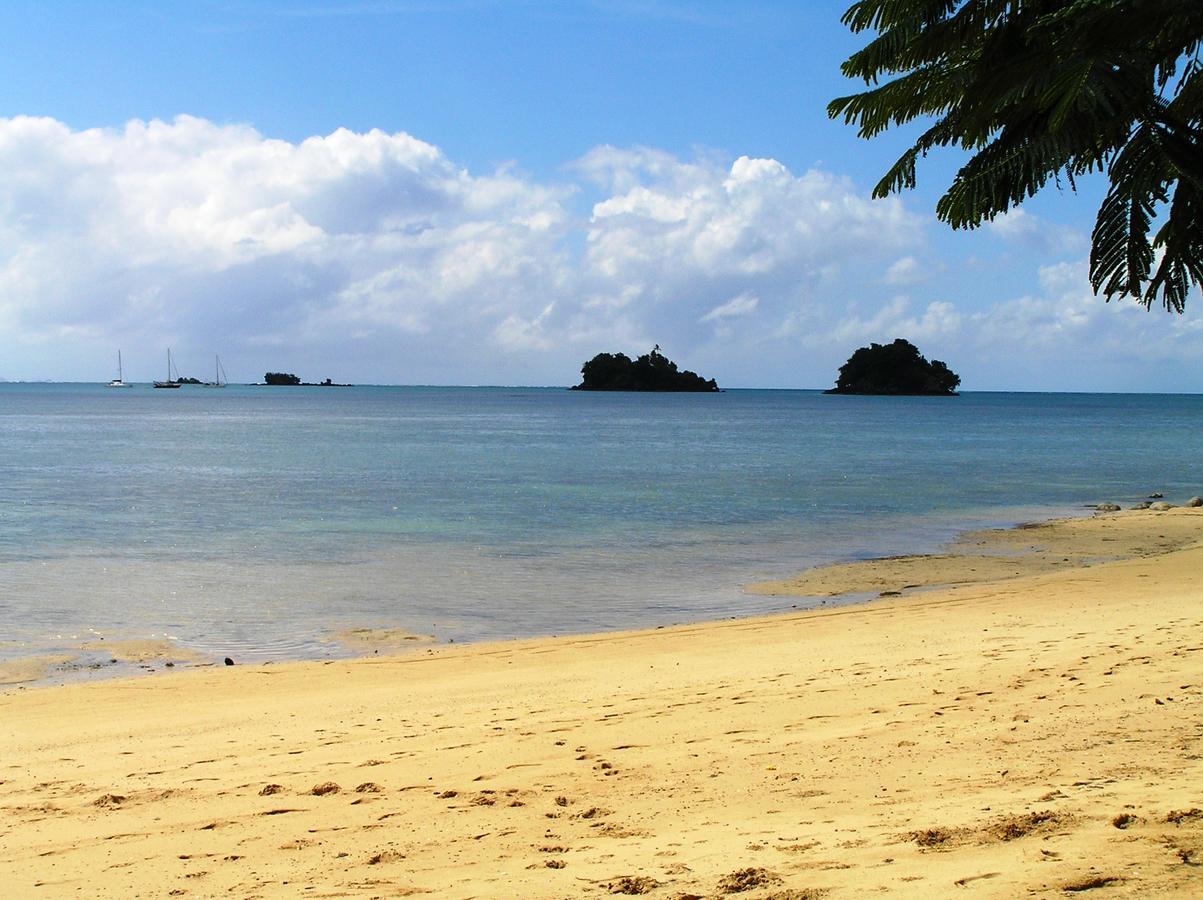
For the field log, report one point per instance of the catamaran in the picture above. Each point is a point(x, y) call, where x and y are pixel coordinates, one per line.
point(170, 382)
point(117, 382)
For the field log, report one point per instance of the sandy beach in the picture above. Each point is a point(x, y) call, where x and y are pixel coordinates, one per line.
point(1033, 728)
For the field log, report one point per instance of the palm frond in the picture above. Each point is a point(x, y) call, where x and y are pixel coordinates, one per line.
point(1036, 90)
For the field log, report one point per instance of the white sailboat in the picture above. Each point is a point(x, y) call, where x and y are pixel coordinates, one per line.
point(118, 382)
point(170, 382)
point(219, 374)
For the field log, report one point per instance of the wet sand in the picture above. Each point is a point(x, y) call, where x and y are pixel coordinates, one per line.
point(98, 656)
point(1034, 735)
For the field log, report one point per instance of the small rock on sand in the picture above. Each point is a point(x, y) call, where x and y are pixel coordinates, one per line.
point(1195, 501)
point(1161, 506)
point(1108, 507)
point(321, 790)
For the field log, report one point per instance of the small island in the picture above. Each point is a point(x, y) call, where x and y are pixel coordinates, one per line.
point(288, 379)
point(896, 369)
point(651, 372)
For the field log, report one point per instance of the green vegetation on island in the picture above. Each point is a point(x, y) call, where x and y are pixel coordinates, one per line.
point(898, 368)
point(651, 372)
point(288, 379)
point(1051, 91)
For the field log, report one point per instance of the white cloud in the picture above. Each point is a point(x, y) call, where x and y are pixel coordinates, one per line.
point(741, 305)
point(938, 320)
point(1015, 223)
point(904, 271)
point(374, 257)
point(1028, 230)
point(192, 232)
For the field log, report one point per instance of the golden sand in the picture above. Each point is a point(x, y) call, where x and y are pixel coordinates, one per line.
point(1040, 735)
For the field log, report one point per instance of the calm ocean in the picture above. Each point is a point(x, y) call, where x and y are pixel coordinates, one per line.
point(255, 521)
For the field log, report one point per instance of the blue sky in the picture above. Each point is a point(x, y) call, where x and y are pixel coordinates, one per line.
point(462, 191)
point(487, 82)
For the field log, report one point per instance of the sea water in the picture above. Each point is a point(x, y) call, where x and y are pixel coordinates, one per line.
point(257, 521)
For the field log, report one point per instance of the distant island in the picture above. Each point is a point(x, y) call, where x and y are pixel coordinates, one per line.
point(651, 372)
point(898, 368)
point(288, 379)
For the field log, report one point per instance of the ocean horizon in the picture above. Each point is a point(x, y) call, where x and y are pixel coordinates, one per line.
point(258, 523)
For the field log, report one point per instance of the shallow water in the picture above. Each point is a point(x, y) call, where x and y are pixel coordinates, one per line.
point(255, 521)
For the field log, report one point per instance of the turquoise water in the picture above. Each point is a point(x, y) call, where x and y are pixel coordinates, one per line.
point(255, 521)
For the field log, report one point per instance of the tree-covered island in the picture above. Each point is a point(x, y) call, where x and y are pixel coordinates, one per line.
point(898, 368)
point(651, 372)
point(288, 379)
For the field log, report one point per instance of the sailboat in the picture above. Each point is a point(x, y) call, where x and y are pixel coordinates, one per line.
point(170, 382)
point(219, 375)
point(117, 382)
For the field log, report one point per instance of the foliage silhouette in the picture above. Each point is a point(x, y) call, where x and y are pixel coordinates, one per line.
point(1041, 89)
point(651, 372)
point(280, 378)
point(897, 368)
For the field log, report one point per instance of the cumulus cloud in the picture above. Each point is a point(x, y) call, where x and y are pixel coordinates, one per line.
point(1030, 231)
point(939, 320)
point(374, 257)
point(903, 271)
point(1062, 336)
point(194, 233)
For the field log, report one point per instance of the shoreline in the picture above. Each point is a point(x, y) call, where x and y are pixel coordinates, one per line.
point(1037, 735)
point(100, 656)
point(995, 554)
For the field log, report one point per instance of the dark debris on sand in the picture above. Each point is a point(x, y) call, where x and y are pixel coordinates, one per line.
point(746, 880)
point(633, 884)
